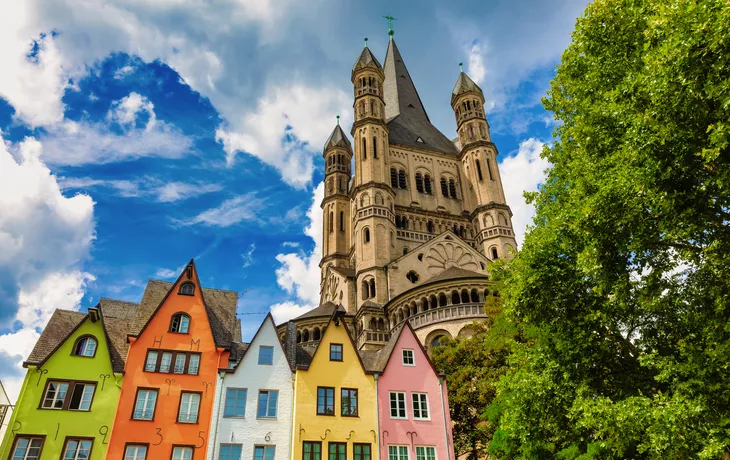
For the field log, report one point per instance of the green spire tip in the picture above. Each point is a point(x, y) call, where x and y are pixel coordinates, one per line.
point(390, 24)
point(461, 66)
point(338, 120)
point(366, 42)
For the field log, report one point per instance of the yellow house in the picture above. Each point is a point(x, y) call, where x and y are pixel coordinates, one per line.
point(335, 400)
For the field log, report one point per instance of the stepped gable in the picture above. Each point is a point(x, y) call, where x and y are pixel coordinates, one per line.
point(59, 328)
point(404, 112)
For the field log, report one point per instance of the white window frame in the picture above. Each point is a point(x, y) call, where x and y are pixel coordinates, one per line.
point(400, 398)
point(186, 413)
point(163, 369)
point(55, 395)
point(413, 357)
point(138, 449)
point(30, 440)
point(84, 393)
point(151, 354)
point(193, 357)
point(79, 442)
point(85, 350)
point(182, 450)
point(175, 366)
point(146, 400)
point(399, 451)
point(425, 453)
point(421, 398)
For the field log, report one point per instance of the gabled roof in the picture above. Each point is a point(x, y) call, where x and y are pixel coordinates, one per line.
point(307, 356)
point(465, 84)
point(404, 112)
point(118, 318)
point(338, 138)
point(326, 309)
point(386, 352)
point(61, 325)
point(366, 59)
point(269, 319)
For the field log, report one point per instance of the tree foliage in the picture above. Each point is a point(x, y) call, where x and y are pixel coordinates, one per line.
point(624, 280)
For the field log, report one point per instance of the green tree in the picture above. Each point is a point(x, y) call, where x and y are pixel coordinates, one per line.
point(625, 277)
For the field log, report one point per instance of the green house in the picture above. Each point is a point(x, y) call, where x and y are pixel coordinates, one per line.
point(69, 397)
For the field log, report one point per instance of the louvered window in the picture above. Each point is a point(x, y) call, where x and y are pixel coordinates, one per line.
point(393, 178)
point(402, 179)
point(419, 182)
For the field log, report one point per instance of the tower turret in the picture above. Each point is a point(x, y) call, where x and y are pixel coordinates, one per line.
point(491, 216)
point(336, 203)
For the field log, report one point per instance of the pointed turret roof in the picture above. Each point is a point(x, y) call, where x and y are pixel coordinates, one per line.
point(338, 139)
point(366, 59)
point(465, 84)
point(404, 112)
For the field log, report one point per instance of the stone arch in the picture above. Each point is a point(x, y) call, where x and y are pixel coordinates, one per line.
point(379, 198)
point(502, 220)
point(433, 301)
point(442, 300)
point(299, 337)
point(305, 335)
point(464, 296)
point(466, 332)
point(316, 334)
point(474, 296)
point(455, 298)
point(435, 336)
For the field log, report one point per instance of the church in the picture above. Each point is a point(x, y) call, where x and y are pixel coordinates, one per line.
point(409, 234)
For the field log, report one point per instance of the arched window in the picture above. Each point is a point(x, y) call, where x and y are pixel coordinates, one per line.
point(474, 296)
point(429, 226)
point(405, 251)
point(375, 145)
point(392, 238)
point(397, 222)
point(299, 337)
point(479, 170)
point(381, 324)
point(455, 299)
point(305, 336)
point(342, 221)
point(486, 293)
point(495, 256)
point(433, 302)
point(464, 296)
point(393, 178)
point(489, 169)
point(373, 325)
point(85, 346)
point(364, 148)
point(404, 222)
point(372, 288)
point(442, 300)
point(444, 187)
point(427, 184)
point(332, 223)
point(412, 276)
point(419, 182)
point(366, 236)
point(452, 188)
point(180, 323)
point(437, 341)
point(424, 304)
point(316, 334)
point(402, 183)
point(187, 288)
point(365, 290)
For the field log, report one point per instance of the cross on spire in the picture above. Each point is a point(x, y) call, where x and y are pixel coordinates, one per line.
point(390, 24)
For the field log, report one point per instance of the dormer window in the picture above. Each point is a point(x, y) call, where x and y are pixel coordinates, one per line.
point(85, 346)
point(180, 323)
point(187, 288)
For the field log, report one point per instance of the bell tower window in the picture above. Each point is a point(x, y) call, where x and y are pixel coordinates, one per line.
point(479, 170)
point(393, 178)
point(364, 148)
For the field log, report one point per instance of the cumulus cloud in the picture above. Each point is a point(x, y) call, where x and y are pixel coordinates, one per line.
point(286, 128)
point(299, 272)
point(475, 64)
point(523, 172)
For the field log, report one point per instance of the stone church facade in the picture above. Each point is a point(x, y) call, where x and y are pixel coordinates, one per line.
point(409, 234)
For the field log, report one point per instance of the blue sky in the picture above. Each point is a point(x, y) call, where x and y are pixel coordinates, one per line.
point(137, 135)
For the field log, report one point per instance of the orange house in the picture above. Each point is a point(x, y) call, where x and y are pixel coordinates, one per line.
point(176, 347)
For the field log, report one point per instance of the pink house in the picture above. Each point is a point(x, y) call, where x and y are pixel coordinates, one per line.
point(413, 404)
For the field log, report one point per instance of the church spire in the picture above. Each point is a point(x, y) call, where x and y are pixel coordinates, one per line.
point(400, 91)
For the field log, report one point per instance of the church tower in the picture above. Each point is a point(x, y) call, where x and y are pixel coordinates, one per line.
point(336, 203)
point(372, 205)
point(491, 217)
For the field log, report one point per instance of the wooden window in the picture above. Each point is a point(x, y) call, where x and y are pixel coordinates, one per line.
point(264, 452)
point(135, 452)
point(85, 346)
point(408, 357)
point(337, 450)
point(397, 452)
point(77, 449)
point(266, 355)
point(179, 362)
point(180, 323)
point(311, 450)
point(420, 406)
point(145, 404)
point(425, 453)
point(182, 452)
point(235, 405)
point(398, 405)
point(230, 452)
point(57, 395)
point(335, 352)
point(268, 400)
point(27, 448)
point(187, 288)
point(325, 401)
point(189, 407)
point(361, 451)
point(348, 402)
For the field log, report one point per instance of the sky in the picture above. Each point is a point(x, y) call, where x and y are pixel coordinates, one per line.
point(137, 135)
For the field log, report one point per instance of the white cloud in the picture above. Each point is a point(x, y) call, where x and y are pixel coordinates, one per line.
point(475, 64)
point(165, 273)
point(290, 244)
point(243, 208)
point(176, 191)
point(248, 256)
point(523, 173)
point(126, 110)
point(57, 290)
point(285, 118)
point(299, 273)
point(162, 192)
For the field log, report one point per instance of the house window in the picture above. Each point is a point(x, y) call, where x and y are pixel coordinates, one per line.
point(337, 450)
point(162, 361)
point(335, 352)
point(267, 404)
point(151, 363)
point(266, 355)
point(312, 450)
point(408, 358)
point(193, 364)
point(189, 408)
point(166, 362)
point(230, 452)
point(180, 359)
point(361, 451)
point(145, 403)
point(182, 453)
point(425, 453)
point(77, 449)
point(135, 452)
point(398, 405)
point(187, 288)
point(348, 401)
point(27, 448)
point(264, 452)
point(235, 402)
point(57, 395)
point(397, 452)
point(180, 323)
point(85, 346)
point(420, 406)
point(325, 401)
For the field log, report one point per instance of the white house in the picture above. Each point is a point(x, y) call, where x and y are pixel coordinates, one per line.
point(252, 412)
point(6, 410)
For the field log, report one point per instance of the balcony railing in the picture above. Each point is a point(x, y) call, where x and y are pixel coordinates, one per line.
point(450, 312)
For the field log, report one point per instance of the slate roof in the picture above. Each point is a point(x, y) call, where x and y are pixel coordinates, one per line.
point(326, 309)
point(366, 59)
point(455, 273)
point(465, 84)
point(338, 138)
point(404, 112)
point(59, 327)
point(346, 272)
point(119, 319)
